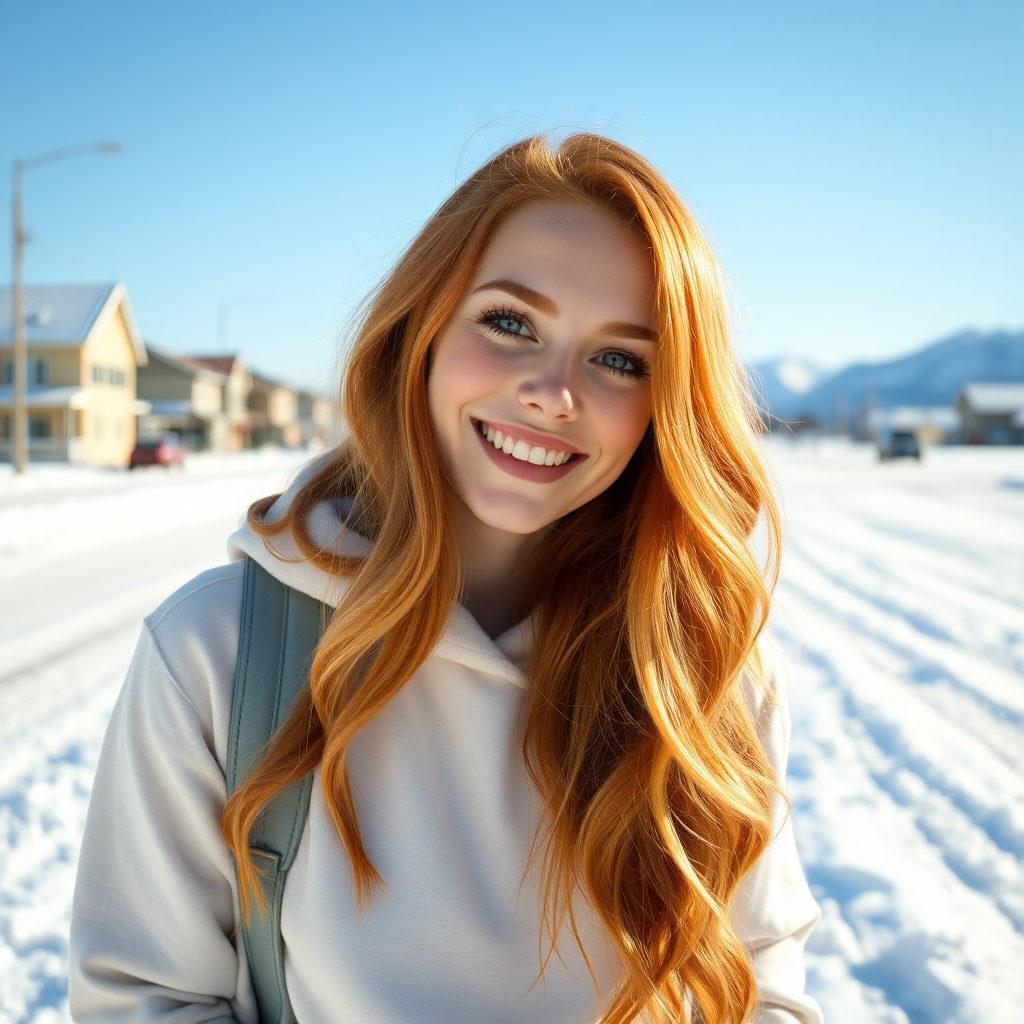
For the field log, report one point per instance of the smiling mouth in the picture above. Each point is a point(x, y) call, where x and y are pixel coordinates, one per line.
point(524, 451)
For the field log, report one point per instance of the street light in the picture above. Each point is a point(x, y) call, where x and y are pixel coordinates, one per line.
point(20, 439)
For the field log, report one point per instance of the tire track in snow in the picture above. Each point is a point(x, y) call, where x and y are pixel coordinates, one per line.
point(907, 753)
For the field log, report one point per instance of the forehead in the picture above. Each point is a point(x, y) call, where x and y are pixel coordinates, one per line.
point(574, 255)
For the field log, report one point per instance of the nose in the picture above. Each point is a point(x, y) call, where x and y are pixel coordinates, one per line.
point(550, 393)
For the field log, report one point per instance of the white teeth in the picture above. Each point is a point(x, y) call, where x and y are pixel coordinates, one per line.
point(521, 451)
point(535, 454)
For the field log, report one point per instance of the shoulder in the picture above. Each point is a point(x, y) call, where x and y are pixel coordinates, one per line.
point(193, 636)
point(764, 687)
point(209, 593)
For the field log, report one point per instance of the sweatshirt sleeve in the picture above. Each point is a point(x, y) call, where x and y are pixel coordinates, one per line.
point(155, 908)
point(773, 912)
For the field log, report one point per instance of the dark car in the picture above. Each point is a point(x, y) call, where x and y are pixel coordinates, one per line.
point(902, 444)
point(164, 451)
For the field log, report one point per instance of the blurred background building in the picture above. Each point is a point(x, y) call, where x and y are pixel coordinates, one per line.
point(95, 388)
point(85, 352)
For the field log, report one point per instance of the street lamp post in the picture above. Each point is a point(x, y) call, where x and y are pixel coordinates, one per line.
point(20, 432)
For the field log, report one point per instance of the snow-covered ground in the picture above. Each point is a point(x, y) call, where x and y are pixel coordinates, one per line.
point(901, 613)
point(84, 555)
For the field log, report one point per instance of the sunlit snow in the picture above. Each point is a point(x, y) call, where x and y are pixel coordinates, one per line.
point(900, 613)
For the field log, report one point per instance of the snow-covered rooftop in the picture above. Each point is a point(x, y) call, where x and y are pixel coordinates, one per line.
point(993, 399)
point(68, 314)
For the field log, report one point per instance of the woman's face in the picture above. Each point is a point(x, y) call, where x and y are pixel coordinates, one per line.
point(539, 385)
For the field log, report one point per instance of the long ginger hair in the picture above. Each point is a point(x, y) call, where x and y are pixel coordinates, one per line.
point(657, 792)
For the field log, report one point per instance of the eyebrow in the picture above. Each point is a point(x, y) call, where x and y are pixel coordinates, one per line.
point(539, 301)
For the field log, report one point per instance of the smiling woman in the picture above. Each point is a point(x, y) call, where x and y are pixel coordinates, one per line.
point(541, 376)
point(542, 753)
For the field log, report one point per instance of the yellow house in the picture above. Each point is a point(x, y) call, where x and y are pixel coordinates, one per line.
point(274, 411)
point(83, 350)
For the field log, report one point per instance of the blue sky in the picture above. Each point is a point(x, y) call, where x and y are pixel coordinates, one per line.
point(858, 165)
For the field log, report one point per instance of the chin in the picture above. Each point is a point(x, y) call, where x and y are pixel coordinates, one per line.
point(513, 513)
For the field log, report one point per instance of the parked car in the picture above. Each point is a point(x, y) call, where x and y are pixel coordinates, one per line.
point(164, 451)
point(901, 444)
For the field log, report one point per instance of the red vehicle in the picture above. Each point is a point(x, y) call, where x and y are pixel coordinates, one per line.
point(165, 451)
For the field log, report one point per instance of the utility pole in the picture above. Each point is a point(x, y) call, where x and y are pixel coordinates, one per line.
point(20, 409)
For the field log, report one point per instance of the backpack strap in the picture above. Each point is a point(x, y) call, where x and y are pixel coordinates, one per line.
point(279, 632)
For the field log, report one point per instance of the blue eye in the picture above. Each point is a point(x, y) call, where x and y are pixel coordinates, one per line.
point(624, 365)
point(513, 326)
point(616, 361)
point(506, 321)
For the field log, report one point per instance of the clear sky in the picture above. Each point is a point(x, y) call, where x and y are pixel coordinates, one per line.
point(858, 164)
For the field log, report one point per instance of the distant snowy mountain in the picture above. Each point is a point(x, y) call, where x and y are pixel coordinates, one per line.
point(782, 383)
point(931, 377)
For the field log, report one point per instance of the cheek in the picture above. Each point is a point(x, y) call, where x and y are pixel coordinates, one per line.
point(462, 370)
point(621, 425)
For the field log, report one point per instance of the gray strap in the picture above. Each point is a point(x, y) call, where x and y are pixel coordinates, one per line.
point(280, 629)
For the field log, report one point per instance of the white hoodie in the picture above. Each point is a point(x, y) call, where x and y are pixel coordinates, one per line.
point(447, 814)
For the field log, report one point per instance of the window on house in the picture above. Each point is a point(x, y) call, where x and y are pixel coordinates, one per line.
point(108, 375)
point(40, 426)
point(38, 371)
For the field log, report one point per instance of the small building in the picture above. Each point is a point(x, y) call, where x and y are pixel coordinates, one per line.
point(316, 418)
point(274, 413)
point(235, 426)
point(84, 351)
point(930, 424)
point(202, 399)
point(992, 413)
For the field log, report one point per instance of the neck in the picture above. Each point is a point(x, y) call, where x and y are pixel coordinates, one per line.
point(491, 584)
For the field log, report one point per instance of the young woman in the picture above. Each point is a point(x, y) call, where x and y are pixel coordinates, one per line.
point(548, 756)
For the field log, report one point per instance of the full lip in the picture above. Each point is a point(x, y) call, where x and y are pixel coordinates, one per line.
point(527, 470)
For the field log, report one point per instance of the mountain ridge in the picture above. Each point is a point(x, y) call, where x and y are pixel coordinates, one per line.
point(931, 377)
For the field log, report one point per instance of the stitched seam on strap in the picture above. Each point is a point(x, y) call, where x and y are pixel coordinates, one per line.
point(301, 807)
point(280, 660)
point(249, 581)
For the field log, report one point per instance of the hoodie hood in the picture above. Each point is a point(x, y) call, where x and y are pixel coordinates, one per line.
point(463, 641)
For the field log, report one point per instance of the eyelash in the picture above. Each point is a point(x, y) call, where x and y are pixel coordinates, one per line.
point(489, 319)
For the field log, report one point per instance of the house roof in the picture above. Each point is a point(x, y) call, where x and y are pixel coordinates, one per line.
point(193, 367)
point(71, 315)
point(261, 383)
point(219, 364)
point(993, 399)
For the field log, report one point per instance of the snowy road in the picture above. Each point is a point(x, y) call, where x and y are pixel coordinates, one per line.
point(901, 614)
